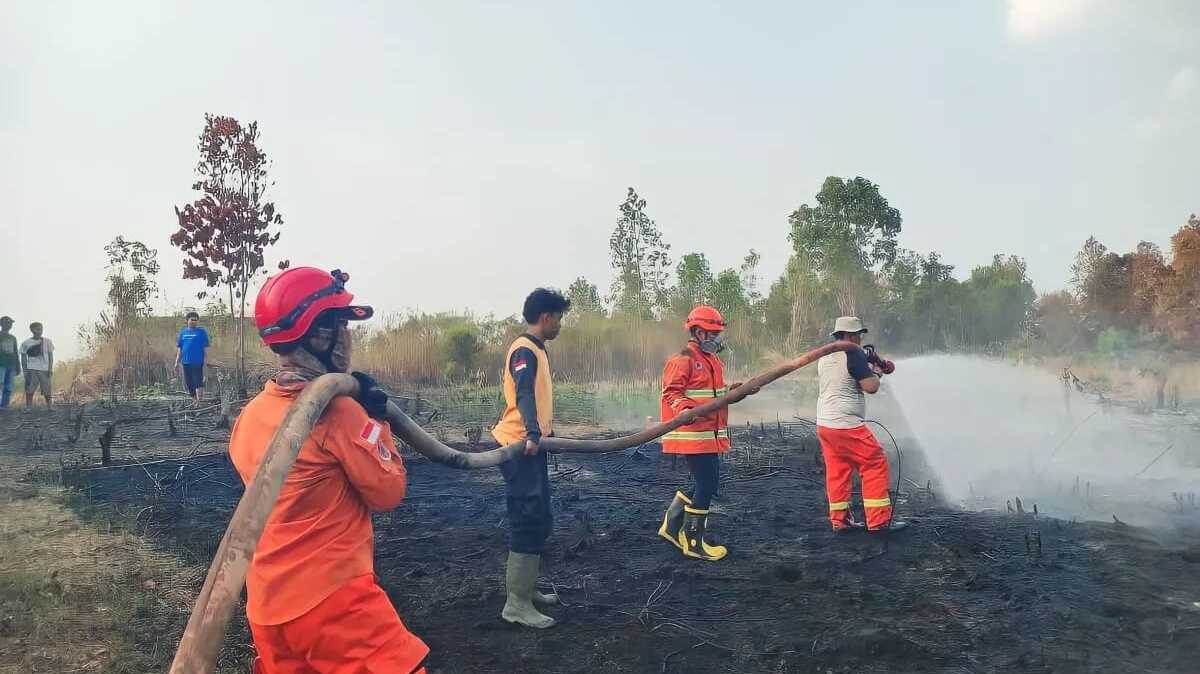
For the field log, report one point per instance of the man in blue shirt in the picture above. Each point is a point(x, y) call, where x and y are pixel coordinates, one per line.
point(192, 342)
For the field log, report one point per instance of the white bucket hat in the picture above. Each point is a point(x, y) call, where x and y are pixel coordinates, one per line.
point(847, 324)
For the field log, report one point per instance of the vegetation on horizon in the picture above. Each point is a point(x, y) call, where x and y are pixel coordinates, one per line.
point(845, 259)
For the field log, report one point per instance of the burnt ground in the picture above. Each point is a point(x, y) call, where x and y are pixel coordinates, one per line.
point(959, 592)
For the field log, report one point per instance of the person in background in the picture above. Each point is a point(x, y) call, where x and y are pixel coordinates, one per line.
point(846, 442)
point(10, 363)
point(192, 342)
point(37, 360)
point(528, 417)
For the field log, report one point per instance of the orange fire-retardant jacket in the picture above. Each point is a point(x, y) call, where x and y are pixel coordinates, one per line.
point(690, 379)
point(319, 534)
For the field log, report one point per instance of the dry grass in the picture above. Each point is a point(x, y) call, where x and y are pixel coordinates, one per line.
point(410, 349)
point(590, 349)
point(80, 596)
point(143, 355)
point(1136, 375)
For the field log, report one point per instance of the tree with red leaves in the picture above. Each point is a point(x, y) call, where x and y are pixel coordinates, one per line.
point(224, 234)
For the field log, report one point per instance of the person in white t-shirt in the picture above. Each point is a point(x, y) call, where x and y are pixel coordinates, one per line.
point(844, 379)
point(37, 360)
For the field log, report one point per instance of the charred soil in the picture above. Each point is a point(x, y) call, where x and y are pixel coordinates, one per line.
point(957, 592)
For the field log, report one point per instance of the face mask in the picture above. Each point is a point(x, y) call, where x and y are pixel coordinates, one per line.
point(713, 346)
point(336, 356)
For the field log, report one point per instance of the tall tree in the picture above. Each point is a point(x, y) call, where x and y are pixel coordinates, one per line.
point(1179, 304)
point(840, 241)
point(1102, 283)
point(898, 285)
point(748, 275)
point(1085, 268)
point(938, 304)
point(1148, 274)
point(778, 307)
point(728, 294)
point(1001, 298)
point(693, 283)
point(640, 258)
point(585, 298)
point(131, 271)
point(224, 234)
point(1056, 321)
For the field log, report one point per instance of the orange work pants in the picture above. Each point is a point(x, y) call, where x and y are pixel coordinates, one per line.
point(846, 450)
point(353, 631)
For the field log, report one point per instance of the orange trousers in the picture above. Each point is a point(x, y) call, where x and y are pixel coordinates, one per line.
point(847, 450)
point(353, 631)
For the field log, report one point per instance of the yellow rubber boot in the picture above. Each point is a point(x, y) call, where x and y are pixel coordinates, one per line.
point(673, 519)
point(691, 537)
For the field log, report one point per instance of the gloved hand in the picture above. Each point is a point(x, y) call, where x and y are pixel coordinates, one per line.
point(372, 398)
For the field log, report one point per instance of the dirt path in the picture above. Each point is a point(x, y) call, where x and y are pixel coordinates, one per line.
point(960, 592)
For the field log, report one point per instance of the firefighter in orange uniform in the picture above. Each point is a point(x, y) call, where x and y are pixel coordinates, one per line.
point(691, 378)
point(313, 603)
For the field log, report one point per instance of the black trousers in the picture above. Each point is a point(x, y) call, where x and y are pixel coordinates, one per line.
point(706, 471)
point(193, 377)
point(527, 486)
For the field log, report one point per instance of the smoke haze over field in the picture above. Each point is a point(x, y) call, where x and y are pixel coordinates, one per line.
point(993, 431)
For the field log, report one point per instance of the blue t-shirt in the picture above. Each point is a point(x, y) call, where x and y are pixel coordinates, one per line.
point(192, 342)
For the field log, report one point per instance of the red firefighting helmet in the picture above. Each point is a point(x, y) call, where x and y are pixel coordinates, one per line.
point(289, 301)
point(705, 318)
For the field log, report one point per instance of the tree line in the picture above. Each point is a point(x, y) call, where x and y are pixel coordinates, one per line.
point(845, 259)
point(1138, 299)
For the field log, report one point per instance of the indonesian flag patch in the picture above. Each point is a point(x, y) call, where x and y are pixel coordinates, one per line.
point(520, 365)
point(371, 432)
point(371, 436)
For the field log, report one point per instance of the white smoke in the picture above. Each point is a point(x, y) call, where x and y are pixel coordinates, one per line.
point(994, 431)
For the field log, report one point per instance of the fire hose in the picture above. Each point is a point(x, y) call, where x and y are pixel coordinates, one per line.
point(205, 630)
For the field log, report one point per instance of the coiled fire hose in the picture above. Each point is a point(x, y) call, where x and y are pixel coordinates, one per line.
point(201, 641)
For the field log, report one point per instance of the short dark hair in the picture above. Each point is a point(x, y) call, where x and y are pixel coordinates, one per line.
point(544, 301)
point(6, 319)
point(35, 324)
point(191, 314)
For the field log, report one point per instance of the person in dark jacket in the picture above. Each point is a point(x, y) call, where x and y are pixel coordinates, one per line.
point(528, 417)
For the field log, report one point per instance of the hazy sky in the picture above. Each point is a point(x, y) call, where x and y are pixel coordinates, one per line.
point(453, 155)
